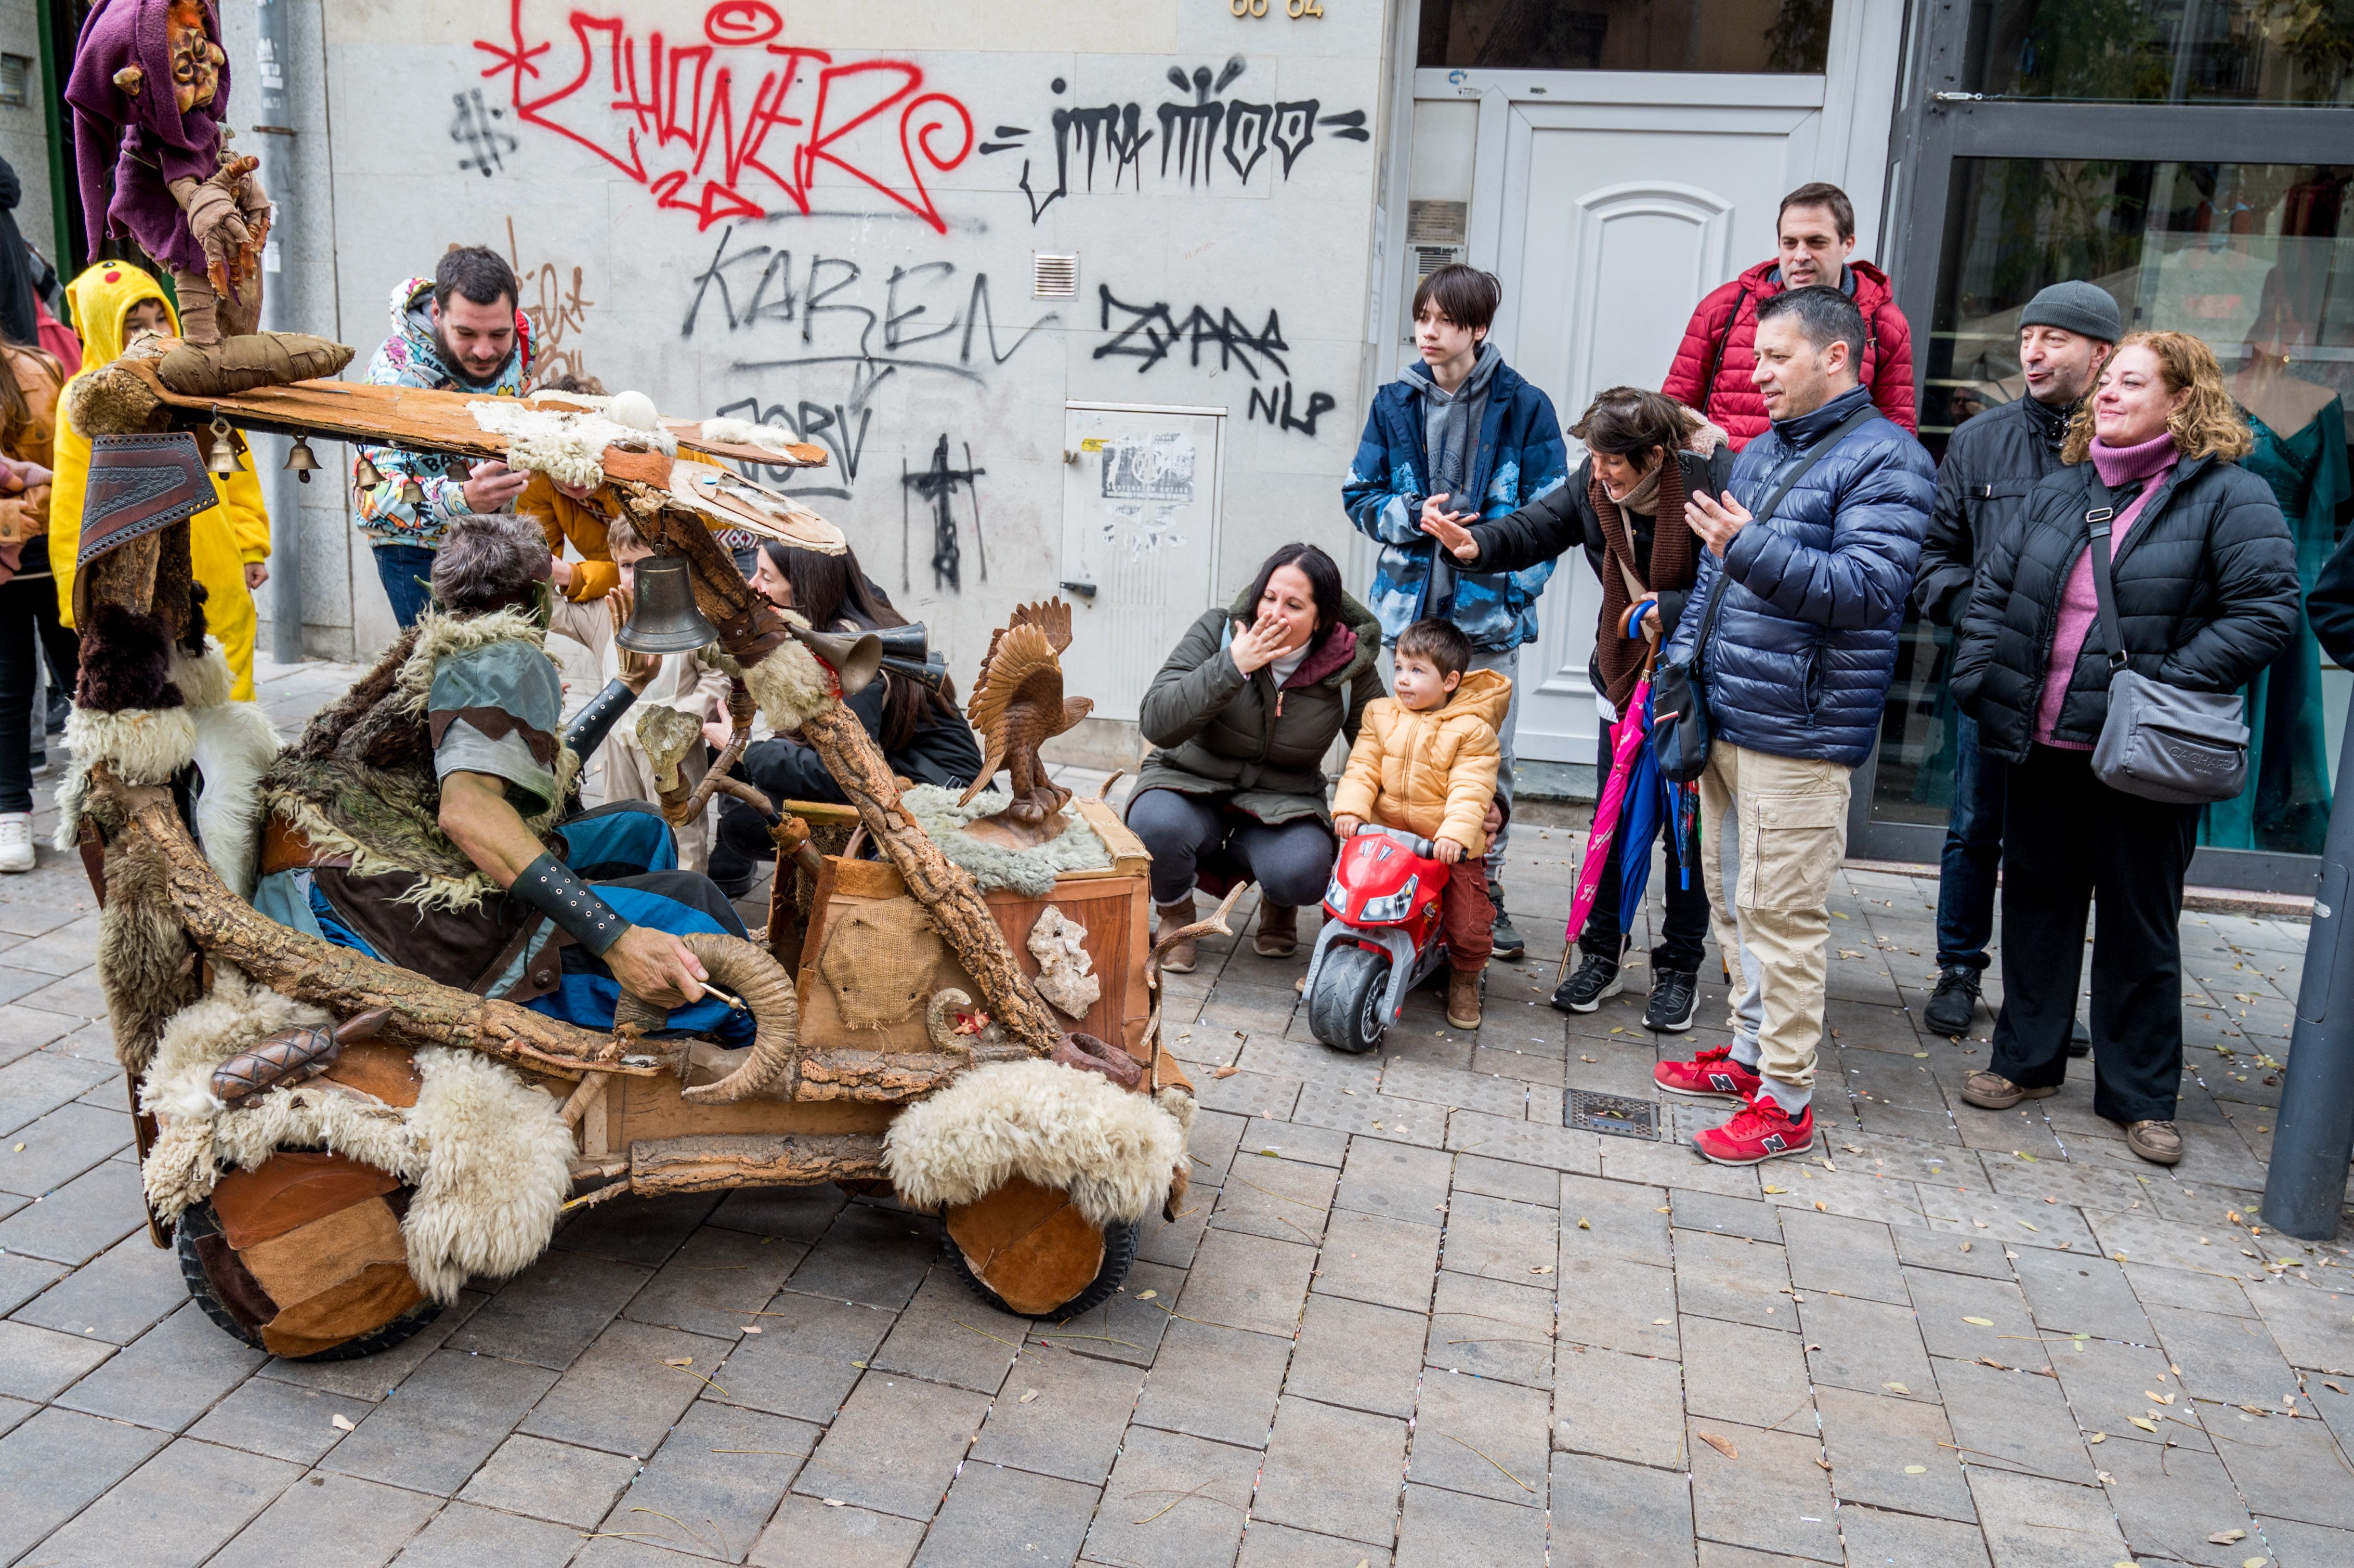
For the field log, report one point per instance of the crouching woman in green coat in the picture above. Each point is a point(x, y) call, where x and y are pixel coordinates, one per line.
point(1241, 715)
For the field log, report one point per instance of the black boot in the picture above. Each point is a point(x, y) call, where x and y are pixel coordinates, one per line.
point(1508, 945)
point(1956, 1001)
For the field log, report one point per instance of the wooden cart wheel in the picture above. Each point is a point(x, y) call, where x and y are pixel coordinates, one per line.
point(303, 1256)
point(1024, 1249)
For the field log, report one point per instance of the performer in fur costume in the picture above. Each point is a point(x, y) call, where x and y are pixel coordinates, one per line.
point(150, 99)
point(422, 819)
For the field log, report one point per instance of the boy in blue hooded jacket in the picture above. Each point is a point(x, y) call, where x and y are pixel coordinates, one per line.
point(1461, 435)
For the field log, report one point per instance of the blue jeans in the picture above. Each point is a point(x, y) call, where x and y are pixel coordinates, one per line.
point(400, 567)
point(1965, 879)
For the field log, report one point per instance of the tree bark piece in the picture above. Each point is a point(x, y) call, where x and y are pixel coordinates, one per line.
point(891, 1078)
point(946, 890)
point(346, 982)
point(716, 1162)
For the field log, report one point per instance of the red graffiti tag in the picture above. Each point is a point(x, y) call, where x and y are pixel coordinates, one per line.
point(671, 116)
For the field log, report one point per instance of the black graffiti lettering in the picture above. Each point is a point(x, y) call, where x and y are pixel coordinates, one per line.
point(893, 338)
point(977, 313)
point(814, 299)
point(1295, 127)
point(476, 129)
point(1190, 130)
point(1246, 129)
point(797, 479)
point(1151, 331)
point(1274, 404)
point(936, 486)
point(1351, 126)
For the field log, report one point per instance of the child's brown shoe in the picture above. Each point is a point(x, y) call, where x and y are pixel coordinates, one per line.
point(1463, 998)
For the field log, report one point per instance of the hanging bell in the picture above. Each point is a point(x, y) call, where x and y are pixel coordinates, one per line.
point(224, 454)
point(412, 493)
point(856, 661)
point(301, 459)
point(365, 474)
point(664, 618)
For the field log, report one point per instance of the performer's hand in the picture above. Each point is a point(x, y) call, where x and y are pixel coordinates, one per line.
point(1716, 521)
point(1494, 824)
point(256, 574)
point(1446, 849)
point(559, 571)
point(656, 966)
point(719, 732)
point(1446, 527)
point(493, 486)
point(1345, 826)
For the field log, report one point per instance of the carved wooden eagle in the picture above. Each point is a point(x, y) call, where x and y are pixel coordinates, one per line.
point(1018, 705)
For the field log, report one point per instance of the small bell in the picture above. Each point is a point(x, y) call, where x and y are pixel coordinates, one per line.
point(224, 457)
point(411, 492)
point(301, 458)
point(366, 475)
point(664, 618)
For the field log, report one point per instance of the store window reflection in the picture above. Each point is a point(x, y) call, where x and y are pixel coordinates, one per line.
point(2256, 258)
point(2165, 51)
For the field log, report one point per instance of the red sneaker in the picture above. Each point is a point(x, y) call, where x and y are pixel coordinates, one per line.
point(1712, 1072)
point(1759, 1131)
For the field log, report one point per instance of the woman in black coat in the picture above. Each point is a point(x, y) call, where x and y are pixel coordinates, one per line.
point(921, 733)
point(2206, 586)
point(1612, 506)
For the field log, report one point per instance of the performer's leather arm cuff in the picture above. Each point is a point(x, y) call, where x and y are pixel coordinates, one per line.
point(592, 724)
point(548, 885)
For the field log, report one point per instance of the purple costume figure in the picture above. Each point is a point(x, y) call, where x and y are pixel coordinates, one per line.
point(150, 98)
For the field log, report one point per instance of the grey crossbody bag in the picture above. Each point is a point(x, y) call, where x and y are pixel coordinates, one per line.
point(2160, 742)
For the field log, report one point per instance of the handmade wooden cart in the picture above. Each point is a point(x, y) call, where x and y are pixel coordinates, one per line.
point(909, 1048)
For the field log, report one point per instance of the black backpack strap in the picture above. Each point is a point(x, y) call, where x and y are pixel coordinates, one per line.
point(1797, 472)
point(2099, 517)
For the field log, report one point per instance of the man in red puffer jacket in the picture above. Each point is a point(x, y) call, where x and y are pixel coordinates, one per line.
point(1817, 228)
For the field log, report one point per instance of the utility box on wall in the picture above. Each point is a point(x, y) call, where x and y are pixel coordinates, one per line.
point(1141, 525)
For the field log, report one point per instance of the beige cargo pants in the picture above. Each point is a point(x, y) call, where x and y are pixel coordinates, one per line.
point(1791, 820)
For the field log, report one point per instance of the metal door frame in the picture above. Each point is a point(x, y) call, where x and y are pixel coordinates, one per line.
point(1939, 121)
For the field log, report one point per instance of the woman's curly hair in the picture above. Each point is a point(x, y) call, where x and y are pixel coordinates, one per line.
point(2209, 424)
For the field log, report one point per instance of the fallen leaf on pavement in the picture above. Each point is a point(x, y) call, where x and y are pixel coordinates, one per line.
point(1895, 1388)
point(1226, 1071)
point(341, 1423)
point(1721, 1444)
point(2225, 1537)
point(2143, 1422)
point(1027, 1395)
point(1916, 1469)
point(678, 1361)
point(1981, 1322)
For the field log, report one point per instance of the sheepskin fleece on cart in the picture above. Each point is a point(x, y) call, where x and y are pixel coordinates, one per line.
point(489, 1155)
point(1030, 871)
point(1112, 1151)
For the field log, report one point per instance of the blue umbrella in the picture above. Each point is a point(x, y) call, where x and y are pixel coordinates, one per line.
point(1641, 813)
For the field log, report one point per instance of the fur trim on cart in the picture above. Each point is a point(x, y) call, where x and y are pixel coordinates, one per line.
point(1030, 871)
point(565, 444)
point(1112, 1151)
point(236, 744)
point(789, 686)
point(489, 1155)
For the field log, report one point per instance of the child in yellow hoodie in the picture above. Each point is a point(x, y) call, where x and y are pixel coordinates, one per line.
point(1426, 761)
point(228, 543)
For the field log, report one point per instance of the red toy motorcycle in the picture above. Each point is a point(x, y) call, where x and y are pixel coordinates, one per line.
point(1381, 936)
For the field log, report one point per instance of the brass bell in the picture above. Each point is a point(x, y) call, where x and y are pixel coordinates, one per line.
point(411, 492)
point(664, 618)
point(301, 459)
point(855, 660)
point(366, 475)
point(224, 454)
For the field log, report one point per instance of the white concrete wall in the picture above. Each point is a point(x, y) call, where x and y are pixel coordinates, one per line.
point(872, 320)
point(25, 132)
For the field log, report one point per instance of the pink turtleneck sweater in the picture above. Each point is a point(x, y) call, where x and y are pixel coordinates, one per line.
point(2080, 603)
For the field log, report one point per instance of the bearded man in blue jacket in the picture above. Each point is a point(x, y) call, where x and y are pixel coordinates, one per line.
point(1796, 664)
point(1459, 435)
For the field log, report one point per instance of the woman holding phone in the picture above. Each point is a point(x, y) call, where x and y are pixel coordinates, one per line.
point(1241, 715)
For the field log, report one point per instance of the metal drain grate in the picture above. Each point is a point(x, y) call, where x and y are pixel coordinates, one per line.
point(1614, 1114)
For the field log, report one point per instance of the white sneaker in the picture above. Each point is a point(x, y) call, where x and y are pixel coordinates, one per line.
point(15, 841)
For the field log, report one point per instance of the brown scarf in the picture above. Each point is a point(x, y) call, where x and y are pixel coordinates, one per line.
point(1674, 564)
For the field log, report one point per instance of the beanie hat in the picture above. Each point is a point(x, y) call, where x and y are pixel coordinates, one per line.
point(2085, 308)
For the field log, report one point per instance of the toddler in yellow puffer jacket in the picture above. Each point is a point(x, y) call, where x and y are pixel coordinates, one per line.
point(1426, 760)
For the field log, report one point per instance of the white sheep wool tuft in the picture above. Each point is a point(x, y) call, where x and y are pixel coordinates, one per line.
point(634, 409)
point(788, 684)
point(1112, 1151)
point(565, 444)
point(745, 433)
point(489, 1155)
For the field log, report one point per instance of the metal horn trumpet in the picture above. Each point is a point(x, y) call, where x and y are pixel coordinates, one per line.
point(855, 660)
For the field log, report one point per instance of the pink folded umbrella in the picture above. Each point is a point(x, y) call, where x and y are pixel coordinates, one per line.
point(1627, 738)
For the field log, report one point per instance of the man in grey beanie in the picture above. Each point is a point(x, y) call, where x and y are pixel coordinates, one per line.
point(2065, 335)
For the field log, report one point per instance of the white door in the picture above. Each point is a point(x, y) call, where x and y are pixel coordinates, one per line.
point(1606, 222)
point(1140, 540)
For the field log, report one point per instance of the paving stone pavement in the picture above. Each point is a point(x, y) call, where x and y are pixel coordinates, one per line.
point(1408, 1318)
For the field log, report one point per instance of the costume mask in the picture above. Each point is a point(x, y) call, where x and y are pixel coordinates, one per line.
point(196, 59)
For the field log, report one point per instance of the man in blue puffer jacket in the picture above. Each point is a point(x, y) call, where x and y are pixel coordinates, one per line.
point(1462, 436)
point(1796, 671)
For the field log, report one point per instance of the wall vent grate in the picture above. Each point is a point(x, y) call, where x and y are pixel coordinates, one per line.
point(1054, 274)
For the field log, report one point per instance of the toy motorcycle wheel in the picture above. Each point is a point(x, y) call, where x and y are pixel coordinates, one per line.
point(1348, 1010)
point(1026, 1250)
point(221, 1282)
